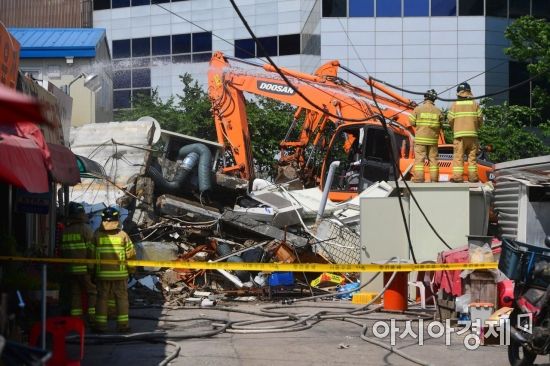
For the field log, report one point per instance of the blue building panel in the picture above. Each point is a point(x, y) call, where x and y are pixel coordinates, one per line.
point(58, 42)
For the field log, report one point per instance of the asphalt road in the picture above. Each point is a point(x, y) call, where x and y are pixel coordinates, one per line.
point(330, 342)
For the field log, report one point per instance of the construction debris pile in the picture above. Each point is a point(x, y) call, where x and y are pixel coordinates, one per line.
point(175, 206)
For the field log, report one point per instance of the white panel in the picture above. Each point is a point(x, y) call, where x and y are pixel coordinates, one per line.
point(390, 77)
point(389, 24)
point(118, 24)
point(286, 17)
point(266, 30)
point(140, 32)
point(241, 33)
point(416, 24)
point(119, 14)
point(334, 52)
point(418, 52)
point(137, 11)
point(200, 5)
point(223, 24)
point(471, 37)
point(410, 38)
point(416, 65)
point(289, 28)
point(441, 51)
point(333, 39)
point(362, 52)
point(362, 66)
point(182, 6)
point(471, 50)
point(471, 23)
point(389, 52)
point(445, 79)
point(181, 27)
point(203, 18)
point(389, 38)
point(288, 5)
point(117, 34)
point(361, 24)
point(361, 38)
point(443, 65)
point(416, 79)
point(332, 24)
point(471, 64)
point(160, 30)
point(443, 23)
point(385, 65)
point(100, 15)
point(478, 82)
point(443, 38)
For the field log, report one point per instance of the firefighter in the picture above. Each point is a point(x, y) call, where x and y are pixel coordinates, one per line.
point(427, 118)
point(465, 120)
point(76, 242)
point(110, 242)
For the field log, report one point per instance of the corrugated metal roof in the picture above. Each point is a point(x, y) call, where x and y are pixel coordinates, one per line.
point(58, 42)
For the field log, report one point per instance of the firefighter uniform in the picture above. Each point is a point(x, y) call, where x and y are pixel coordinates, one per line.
point(465, 120)
point(427, 119)
point(110, 242)
point(76, 241)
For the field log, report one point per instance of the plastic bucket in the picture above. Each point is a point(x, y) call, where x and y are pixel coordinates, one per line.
point(395, 297)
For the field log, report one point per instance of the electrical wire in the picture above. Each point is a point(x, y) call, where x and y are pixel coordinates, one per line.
point(505, 90)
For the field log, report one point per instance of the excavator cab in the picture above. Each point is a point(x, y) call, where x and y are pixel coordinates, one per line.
point(364, 154)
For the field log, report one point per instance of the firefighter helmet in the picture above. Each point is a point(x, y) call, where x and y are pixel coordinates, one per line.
point(110, 214)
point(76, 209)
point(430, 95)
point(463, 87)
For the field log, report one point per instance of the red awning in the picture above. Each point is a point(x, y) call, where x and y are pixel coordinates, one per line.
point(64, 167)
point(22, 164)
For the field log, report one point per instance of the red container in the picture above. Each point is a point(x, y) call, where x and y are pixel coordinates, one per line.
point(505, 291)
point(395, 297)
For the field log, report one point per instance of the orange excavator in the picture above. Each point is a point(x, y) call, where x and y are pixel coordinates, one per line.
point(336, 121)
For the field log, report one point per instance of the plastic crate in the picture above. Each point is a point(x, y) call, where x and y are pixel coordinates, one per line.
point(281, 279)
point(517, 260)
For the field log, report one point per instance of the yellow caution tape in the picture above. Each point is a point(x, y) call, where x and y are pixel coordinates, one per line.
point(327, 277)
point(269, 267)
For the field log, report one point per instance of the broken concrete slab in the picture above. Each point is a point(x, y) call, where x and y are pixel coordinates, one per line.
point(186, 209)
point(156, 251)
point(270, 231)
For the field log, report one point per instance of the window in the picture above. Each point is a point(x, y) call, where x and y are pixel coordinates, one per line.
point(334, 8)
point(121, 48)
point(519, 8)
point(517, 72)
point(541, 9)
point(269, 45)
point(141, 93)
point(160, 45)
point(416, 8)
point(121, 3)
point(159, 1)
point(388, 8)
point(289, 45)
point(181, 43)
point(443, 7)
point(141, 47)
point(121, 79)
point(470, 7)
point(202, 57)
point(361, 8)
point(140, 2)
point(496, 8)
point(102, 4)
point(202, 42)
point(245, 48)
point(141, 78)
point(121, 99)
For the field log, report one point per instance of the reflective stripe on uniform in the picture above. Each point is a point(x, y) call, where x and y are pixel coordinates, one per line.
point(111, 303)
point(76, 312)
point(91, 311)
point(419, 167)
point(101, 318)
point(472, 168)
point(464, 102)
point(434, 168)
point(122, 318)
point(458, 169)
point(465, 134)
point(467, 114)
point(104, 240)
point(425, 140)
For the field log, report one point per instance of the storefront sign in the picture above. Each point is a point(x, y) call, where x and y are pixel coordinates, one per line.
point(9, 58)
